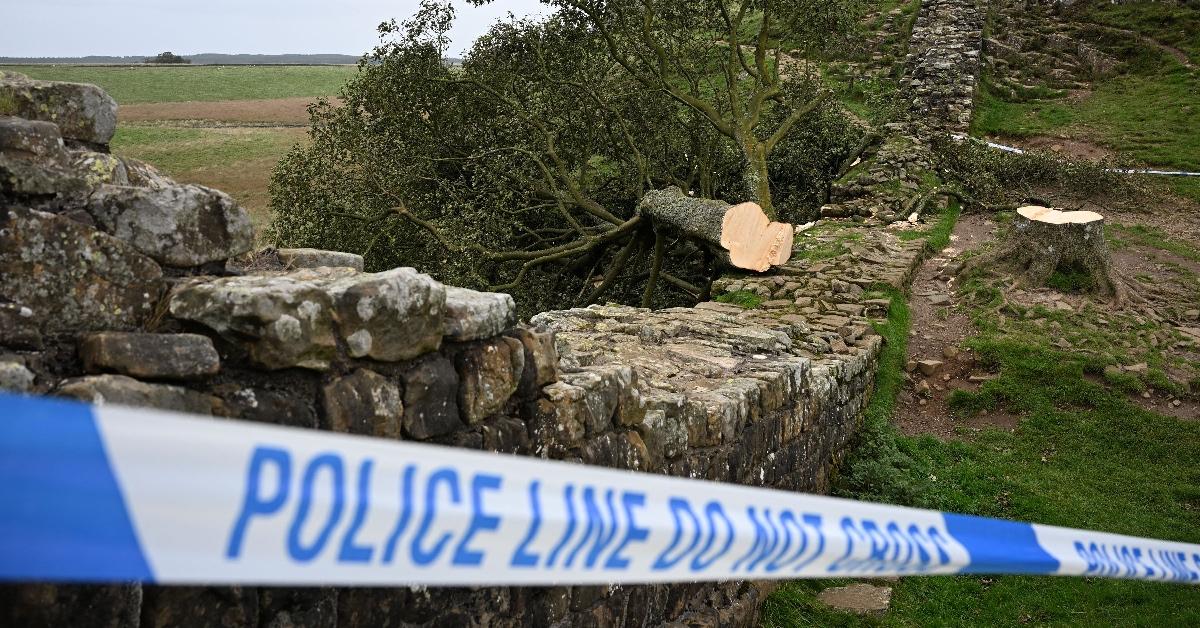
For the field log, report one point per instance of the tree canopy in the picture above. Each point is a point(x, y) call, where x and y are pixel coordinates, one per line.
point(522, 169)
point(167, 57)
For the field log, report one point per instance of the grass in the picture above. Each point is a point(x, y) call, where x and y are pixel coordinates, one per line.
point(741, 298)
point(1150, 112)
point(1151, 119)
point(1172, 24)
point(237, 160)
point(1142, 235)
point(1083, 456)
point(131, 84)
point(230, 157)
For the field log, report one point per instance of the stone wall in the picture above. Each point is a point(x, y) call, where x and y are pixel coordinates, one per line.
point(943, 63)
point(119, 285)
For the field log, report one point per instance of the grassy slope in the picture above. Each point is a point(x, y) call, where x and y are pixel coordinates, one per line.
point(1150, 113)
point(130, 85)
point(1082, 457)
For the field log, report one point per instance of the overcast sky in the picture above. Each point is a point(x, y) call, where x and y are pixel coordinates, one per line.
point(74, 28)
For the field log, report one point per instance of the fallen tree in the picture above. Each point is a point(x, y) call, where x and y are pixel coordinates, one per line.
point(740, 236)
point(568, 160)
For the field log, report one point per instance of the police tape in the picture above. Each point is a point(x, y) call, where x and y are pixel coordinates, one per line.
point(1018, 151)
point(101, 494)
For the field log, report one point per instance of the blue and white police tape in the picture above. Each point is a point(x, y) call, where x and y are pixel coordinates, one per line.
point(92, 494)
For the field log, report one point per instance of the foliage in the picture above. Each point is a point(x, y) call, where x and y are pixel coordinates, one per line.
point(999, 178)
point(167, 57)
point(522, 169)
point(136, 84)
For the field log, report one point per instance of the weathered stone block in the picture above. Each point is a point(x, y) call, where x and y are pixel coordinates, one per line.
point(664, 427)
point(82, 112)
point(298, 607)
point(126, 391)
point(363, 402)
point(73, 277)
point(505, 435)
point(18, 327)
point(472, 315)
point(115, 606)
point(181, 225)
point(431, 398)
point(317, 258)
point(143, 175)
point(199, 607)
point(489, 373)
point(559, 423)
point(390, 316)
point(287, 319)
point(31, 139)
point(151, 356)
point(14, 377)
point(290, 407)
point(541, 359)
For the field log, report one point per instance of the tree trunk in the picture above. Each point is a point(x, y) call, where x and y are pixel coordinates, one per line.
point(1043, 240)
point(739, 235)
point(757, 178)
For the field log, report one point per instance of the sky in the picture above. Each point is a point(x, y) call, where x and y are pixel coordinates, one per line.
point(75, 28)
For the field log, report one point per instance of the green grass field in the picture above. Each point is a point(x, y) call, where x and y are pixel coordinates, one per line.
point(1083, 456)
point(1150, 112)
point(132, 85)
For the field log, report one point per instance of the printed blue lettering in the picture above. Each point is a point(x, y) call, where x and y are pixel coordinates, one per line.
point(337, 473)
point(464, 555)
point(941, 543)
point(256, 503)
point(569, 501)
point(845, 563)
point(711, 511)
point(351, 553)
point(449, 477)
point(774, 565)
point(902, 541)
point(596, 526)
point(814, 522)
point(523, 557)
point(633, 532)
point(406, 502)
point(678, 505)
point(879, 545)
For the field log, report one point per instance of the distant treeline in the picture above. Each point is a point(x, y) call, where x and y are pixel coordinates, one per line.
point(200, 59)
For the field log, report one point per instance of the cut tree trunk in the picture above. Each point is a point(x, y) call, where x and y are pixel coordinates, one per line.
point(1043, 240)
point(740, 236)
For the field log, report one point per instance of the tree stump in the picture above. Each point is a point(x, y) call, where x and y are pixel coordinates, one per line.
point(1043, 240)
point(740, 236)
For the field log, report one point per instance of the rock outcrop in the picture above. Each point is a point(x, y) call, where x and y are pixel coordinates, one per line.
point(82, 112)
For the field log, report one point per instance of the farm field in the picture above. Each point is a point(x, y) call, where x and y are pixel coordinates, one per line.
point(220, 126)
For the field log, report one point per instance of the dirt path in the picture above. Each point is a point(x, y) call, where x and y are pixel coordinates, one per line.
point(938, 364)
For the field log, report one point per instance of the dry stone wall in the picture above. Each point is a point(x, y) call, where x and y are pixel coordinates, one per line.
point(119, 285)
point(944, 62)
